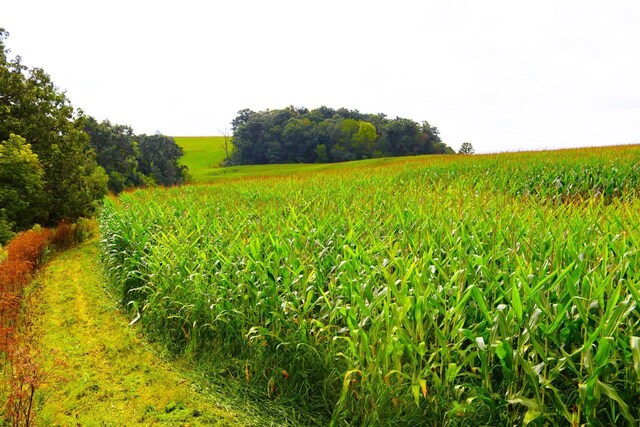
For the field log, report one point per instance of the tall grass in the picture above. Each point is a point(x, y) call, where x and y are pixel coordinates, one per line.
point(459, 290)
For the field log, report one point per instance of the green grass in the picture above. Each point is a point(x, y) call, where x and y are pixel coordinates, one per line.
point(101, 372)
point(436, 290)
point(202, 154)
point(290, 169)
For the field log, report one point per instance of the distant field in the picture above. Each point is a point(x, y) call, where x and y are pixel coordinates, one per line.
point(202, 154)
point(263, 171)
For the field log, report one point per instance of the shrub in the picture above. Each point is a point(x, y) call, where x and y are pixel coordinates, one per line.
point(21, 373)
point(29, 246)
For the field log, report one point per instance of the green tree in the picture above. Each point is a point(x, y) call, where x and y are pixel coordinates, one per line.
point(466, 148)
point(321, 154)
point(363, 140)
point(297, 141)
point(295, 135)
point(159, 155)
point(21, 187)
point(348, 128)
point(32, 107)
point(248, 132)
point(226, 143)
point(117, 152)
point(401, 137)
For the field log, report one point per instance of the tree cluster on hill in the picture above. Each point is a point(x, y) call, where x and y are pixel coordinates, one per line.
point(56, 163)
point(299, 135)
point(135, 160)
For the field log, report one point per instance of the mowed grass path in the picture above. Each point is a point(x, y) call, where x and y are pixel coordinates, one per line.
point(110, 376)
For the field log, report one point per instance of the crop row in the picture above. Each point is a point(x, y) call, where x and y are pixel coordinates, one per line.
point(428, 291)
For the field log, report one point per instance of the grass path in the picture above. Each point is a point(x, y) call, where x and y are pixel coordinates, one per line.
point(110, 376)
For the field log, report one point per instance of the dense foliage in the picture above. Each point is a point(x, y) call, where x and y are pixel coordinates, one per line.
point(53, 158)
point(135, 160)
point(52, 170)
point(299, 135)
point(159, 156)
point(457, 290)
point(21, 188)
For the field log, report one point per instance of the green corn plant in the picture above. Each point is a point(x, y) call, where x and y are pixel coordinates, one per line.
point(438, 290)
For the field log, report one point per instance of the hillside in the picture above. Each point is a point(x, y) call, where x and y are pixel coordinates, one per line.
point(202, 154)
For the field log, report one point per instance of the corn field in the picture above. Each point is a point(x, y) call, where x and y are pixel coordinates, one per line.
point(437, 291)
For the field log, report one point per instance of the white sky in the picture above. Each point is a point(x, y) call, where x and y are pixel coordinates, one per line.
point(503, 75)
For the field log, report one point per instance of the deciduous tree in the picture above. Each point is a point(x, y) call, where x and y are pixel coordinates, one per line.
point(117, 152)
point(293, 135)
point(33, 108)
point(159, 156)
point(466, 148)
point(21, 187)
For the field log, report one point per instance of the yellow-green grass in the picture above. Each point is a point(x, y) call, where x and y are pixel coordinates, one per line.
point(438, 290)
point(281, 170)
point(202, 155)
point(106, 374)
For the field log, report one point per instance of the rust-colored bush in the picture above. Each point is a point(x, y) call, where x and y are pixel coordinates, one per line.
point(64, 235)
point(21, 374)
point(14, 274)
point(29, 246)
point(22, 381)
point(67, 234)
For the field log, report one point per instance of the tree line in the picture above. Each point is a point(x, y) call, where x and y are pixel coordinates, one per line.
point(300, 135)
point(135, 160)
point(55, 162)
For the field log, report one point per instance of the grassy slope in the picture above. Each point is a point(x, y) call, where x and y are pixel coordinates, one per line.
point(202, 154)
point(259, 171)
point(110, 375)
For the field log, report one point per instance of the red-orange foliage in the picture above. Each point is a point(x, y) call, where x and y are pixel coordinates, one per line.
point(64, 235)
point(25, 254)
point(22, 381)
point(22, 375)
point(14, 276)
point(29, 246)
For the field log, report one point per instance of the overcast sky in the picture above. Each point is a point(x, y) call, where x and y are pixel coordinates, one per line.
point(503, 75)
